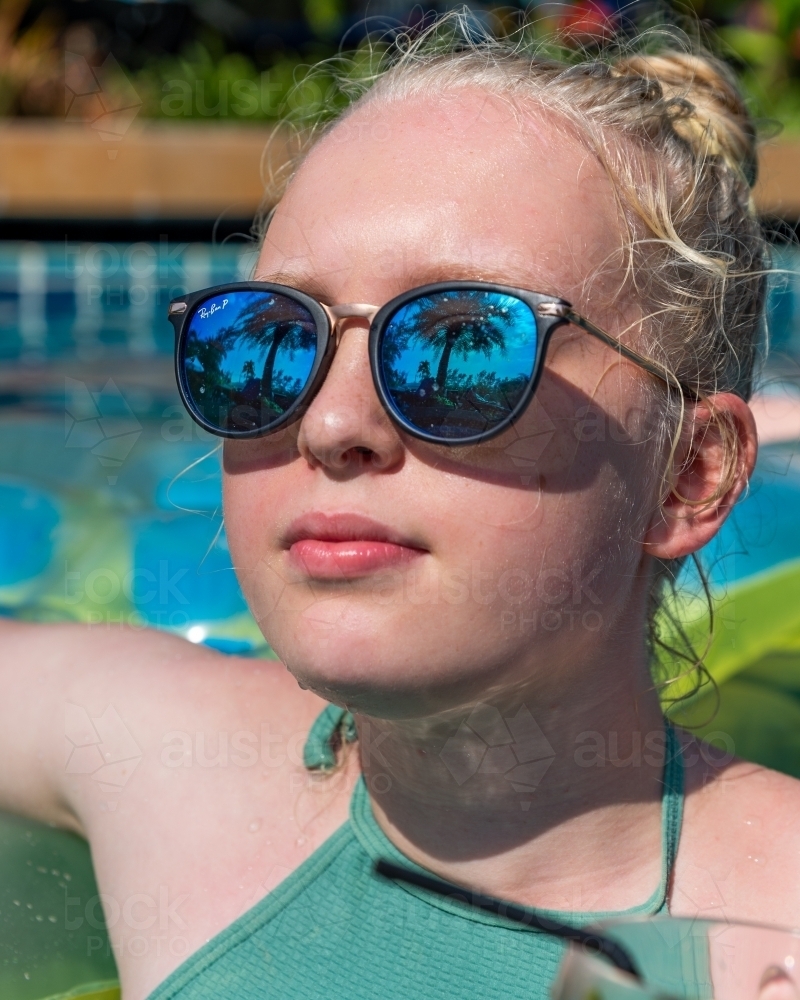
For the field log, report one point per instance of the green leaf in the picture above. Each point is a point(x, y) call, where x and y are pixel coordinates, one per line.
point(758, 48)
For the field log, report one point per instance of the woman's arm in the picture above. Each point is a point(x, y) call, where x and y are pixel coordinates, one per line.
point(35, 661)
point(60, 686)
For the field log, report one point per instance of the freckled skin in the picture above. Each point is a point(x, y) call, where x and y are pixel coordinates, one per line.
point(534, 510)
point(560, 517)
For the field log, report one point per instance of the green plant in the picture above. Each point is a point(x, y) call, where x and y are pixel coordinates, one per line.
point(762, 39)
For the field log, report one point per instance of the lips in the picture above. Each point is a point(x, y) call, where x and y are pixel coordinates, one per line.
point(346, 546)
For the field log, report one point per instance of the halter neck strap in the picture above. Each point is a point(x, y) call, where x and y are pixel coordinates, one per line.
point(335, 727)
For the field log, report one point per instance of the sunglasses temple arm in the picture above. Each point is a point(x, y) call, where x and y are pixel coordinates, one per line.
point(653, 367)
point(595, 942)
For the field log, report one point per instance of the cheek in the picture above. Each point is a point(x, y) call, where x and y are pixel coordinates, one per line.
point(543, 548)
point(249, 504)
point(570, 527)
point(251, 525)
point(555, 527)
point(257, 478)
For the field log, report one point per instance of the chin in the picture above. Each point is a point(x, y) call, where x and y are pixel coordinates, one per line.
point(391, 680)
point(362, 679)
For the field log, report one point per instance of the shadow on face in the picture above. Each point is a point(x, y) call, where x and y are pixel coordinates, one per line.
point(459, 186)
point(559, 444)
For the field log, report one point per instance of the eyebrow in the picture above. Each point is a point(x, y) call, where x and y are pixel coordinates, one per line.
point(406, 279)
point(458, 271)
point(313, 286)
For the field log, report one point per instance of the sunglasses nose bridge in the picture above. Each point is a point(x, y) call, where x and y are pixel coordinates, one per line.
point(349, 310)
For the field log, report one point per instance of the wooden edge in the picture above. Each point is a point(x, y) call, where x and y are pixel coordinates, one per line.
point(777, 191)
point(153, 171)
point(163, 170)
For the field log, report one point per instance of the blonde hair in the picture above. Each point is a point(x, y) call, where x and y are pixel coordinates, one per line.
point(669, 125)
point(696, 252)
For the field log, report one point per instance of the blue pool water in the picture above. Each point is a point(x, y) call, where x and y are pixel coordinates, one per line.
point(763, 529)
point(110, 498)
point(59, 300)
point(28, 517)
point(147, 549)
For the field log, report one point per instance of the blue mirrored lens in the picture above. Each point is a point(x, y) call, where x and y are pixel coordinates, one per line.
point(247, 357)
point(456, 363)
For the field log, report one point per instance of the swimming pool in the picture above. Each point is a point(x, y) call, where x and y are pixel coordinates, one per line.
point(85, 300)
point(110, 499)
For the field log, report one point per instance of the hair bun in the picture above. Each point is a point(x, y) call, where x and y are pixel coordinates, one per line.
point(711, 114)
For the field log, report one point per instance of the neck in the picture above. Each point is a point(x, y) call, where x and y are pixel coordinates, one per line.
point(549, 801)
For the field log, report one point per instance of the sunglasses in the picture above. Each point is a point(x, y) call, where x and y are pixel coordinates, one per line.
point(454, 363)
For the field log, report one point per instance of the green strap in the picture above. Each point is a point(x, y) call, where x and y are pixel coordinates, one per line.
point(671, 811)
point(332, 728)
point(336, 726)
point(376, 844)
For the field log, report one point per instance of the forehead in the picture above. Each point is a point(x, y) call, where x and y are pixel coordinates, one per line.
point(462, 184)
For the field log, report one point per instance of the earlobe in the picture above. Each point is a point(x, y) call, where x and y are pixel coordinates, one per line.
point(707, 471)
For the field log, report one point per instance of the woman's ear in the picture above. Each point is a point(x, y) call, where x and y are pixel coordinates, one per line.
point(708, 469)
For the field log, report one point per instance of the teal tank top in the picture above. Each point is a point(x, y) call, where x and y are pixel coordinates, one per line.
point(333, 929)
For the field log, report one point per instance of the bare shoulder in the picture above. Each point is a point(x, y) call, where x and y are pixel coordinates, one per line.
point(187, 706)
point(739, 857)
point(183, 767)
point(130, 656)
point(105, 696)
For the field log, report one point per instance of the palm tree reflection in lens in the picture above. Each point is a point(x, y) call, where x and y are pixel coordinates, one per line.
point(276, 323)
point(247, 363)
point(435, 329)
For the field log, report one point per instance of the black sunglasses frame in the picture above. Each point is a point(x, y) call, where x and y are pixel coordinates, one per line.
point(550, 312)
point(589, 938)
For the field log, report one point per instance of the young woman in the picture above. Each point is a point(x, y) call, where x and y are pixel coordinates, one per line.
point(452, 510)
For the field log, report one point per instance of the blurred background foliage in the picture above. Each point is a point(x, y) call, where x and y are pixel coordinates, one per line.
point(241, 59)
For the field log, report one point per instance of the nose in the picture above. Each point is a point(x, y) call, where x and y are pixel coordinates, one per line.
point(346, 428)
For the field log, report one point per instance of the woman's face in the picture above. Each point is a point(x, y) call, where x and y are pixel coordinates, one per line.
point(518, 559)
